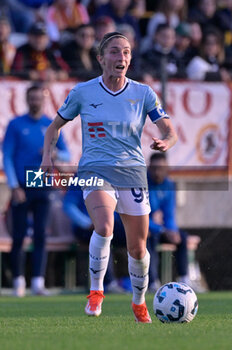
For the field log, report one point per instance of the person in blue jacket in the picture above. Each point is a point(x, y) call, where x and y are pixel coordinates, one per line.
point(162, 220)
point(22, 150)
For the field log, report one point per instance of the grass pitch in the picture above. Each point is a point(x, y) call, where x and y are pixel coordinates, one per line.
point(59, 322)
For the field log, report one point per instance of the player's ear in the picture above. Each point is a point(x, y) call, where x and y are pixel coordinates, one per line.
point(100, 59)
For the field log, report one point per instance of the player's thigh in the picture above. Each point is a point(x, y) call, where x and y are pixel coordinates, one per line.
point(136, 228)
point(133, 201)
point(101, 206)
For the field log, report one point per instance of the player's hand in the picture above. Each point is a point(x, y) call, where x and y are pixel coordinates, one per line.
point(47, 167)
point(159, 145)
point(18, 195)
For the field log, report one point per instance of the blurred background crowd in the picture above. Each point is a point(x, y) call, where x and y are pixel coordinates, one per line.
point(54, 40)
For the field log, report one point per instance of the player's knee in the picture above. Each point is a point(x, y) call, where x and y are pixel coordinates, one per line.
point(137, 253)
point(104, 229)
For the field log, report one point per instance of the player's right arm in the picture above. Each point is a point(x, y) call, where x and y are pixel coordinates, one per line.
point(50, 140)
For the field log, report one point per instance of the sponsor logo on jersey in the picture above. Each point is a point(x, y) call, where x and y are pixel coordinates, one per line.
point(95, 106)
point(96, 130)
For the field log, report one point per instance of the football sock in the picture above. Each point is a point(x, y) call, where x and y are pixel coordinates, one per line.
point(99, 252)
point(138, 271)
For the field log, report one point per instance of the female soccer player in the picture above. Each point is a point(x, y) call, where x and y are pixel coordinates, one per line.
point(113, 110)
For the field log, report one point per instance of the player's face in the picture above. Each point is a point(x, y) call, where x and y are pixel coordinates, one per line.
point(116, 58)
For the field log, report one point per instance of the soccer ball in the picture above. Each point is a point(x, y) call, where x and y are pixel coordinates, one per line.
point(175, 302)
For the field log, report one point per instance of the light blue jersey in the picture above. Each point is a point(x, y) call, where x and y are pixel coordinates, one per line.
point(112, 124)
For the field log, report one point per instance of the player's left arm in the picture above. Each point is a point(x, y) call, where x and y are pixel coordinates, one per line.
point(50, 140)
point(169, 136)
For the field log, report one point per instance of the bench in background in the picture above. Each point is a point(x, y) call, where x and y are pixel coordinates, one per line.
point(70, 246)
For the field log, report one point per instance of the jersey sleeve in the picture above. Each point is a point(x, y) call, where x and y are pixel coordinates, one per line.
point(71, 106)
point(154, 108)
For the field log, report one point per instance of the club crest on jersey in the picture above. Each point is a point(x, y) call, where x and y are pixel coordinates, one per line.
point(133, 102)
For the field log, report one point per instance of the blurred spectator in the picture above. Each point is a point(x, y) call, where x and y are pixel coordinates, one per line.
point(192, 3)
point(161, 56)
point(80, 53)
point(224, 16)
point(152, 5)
point(92, 5)
point(182, 50)
point(138, 8)
point(203, 13)
point(39, 7)
point(22, 150)
point(228, 58)
point(223, 20)
point(103, 25)
point(196, 36)
point(162, 224)
point(210, 65)
point(134, 71)
point(74, 207)
point(21, 17)
point(36, 3)
point(7, 50)
point(118, 10)
point(65, 15)
point(168, 11)
point(36, 61)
